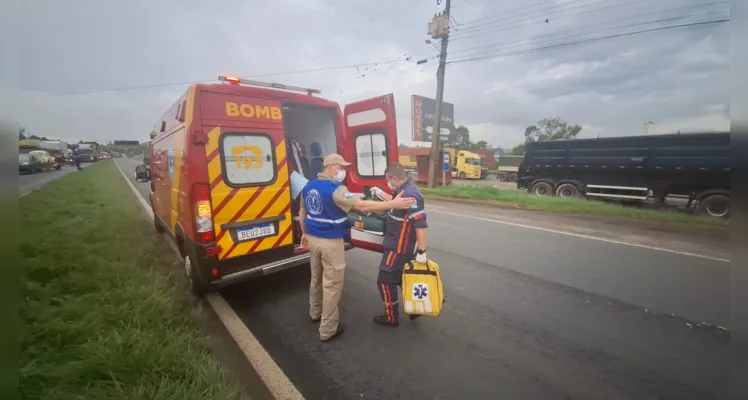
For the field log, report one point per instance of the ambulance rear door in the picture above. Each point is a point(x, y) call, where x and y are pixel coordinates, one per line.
point(370, 145)
point(248, 173)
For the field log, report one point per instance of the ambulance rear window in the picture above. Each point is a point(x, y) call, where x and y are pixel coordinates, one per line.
point(371, 154)
point(248, 159)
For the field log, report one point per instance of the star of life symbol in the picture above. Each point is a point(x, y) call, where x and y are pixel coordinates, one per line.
point(420, 291)
point(313, 202)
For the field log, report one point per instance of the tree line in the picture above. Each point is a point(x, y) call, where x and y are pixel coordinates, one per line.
point(545, 129)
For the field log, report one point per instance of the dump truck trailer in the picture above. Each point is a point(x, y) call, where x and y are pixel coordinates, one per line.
point(634, 168)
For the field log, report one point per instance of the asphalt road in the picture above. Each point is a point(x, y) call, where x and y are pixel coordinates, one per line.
point(530, 314)
point(30, 182)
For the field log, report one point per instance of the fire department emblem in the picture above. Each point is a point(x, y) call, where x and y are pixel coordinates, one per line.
point(313, 202)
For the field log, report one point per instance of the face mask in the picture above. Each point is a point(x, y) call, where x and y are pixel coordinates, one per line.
point(339, 176)
point(391, 185)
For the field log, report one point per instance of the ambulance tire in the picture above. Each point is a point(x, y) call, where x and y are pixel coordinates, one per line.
point(157, 226)
point(198, 287)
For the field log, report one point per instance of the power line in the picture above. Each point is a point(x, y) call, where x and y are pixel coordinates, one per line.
point(302, 71)
point(398, 69)
point(507, 12)
point(552, 37)
point(538, 49)
point(489, 30)
point(488, 24)
point(414, 53)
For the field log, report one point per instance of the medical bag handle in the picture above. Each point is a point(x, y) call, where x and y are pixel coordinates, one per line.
point(410, 265)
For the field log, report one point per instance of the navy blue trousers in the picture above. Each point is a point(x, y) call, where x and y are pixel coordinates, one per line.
point(389, 280)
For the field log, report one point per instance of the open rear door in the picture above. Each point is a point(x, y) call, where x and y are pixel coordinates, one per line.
point(371, 145)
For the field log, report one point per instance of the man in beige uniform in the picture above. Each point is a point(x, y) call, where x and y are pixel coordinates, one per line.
point(325, 204)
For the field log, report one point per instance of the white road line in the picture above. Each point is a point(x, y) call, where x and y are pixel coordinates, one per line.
point(579, 235)
point(269, 371)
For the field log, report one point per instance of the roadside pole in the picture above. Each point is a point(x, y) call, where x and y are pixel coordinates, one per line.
point(439, 28)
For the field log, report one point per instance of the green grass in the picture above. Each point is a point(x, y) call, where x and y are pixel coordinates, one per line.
point(103, 315)
point(520, 199)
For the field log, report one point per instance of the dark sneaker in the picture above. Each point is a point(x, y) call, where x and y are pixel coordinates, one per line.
point(413, 317)
point(382, 320)
point(338, 332)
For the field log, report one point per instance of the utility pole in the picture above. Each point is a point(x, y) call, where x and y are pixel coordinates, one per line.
point(439, 28)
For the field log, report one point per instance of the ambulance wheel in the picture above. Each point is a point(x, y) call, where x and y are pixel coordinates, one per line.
point(198, 287)
point(157, 226)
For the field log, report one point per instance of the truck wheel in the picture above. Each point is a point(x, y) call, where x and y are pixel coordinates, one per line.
point(716, 205)
point(197, 285)
point(568, 191)
point(542, 189)
point(512, 177)
point(462, 175)
point(501, 177)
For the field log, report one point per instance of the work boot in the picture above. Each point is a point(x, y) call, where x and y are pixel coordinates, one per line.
point(413, 317)
point(339, 331)
point(382, 320)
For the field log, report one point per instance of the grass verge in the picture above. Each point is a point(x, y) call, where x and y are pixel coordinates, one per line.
point(519, 199)
point(102, 313)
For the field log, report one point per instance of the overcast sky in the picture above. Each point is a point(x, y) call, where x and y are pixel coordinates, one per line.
point(676, 78)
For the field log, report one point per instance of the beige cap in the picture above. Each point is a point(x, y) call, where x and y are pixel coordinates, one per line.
point(335, 159)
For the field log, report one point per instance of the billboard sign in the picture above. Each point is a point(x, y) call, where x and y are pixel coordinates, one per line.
point(423, 110)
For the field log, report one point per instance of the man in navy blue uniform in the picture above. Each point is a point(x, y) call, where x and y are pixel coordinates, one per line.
point(325, 204)
point(405, 238)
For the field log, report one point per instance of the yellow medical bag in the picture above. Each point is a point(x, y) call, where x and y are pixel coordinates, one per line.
point(423, 293)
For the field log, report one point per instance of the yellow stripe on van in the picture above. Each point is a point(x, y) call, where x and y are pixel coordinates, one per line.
point(232, 204)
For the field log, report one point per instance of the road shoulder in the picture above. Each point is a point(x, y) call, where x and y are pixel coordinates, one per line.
point(232, 343)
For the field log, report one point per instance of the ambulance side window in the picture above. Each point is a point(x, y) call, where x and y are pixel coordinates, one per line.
point(248, 159)
point(371, 154)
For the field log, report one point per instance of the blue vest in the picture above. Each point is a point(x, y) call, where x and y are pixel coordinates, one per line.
point(324, 218)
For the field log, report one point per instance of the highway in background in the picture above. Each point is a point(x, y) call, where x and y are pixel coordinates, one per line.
point(530, 313)
point(30, 182)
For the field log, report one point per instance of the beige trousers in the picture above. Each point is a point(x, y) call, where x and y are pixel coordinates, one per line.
point(328, 270)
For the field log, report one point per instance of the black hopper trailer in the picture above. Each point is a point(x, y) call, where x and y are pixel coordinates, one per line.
point(634, 168)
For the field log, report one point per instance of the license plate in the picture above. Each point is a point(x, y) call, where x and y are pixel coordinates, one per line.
point(255, 232)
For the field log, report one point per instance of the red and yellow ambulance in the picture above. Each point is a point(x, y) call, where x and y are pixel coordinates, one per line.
point(221, 163)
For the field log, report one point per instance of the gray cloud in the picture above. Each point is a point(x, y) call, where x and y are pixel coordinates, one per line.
point(674, 78)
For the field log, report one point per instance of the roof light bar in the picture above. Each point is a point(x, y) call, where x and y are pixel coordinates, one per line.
point(236, 81)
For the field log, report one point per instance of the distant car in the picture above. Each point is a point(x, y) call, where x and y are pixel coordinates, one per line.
point(28, 164)
point(60, 158)
point(47, 161)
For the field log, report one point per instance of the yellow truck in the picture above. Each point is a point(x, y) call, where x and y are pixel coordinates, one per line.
point(465, 164)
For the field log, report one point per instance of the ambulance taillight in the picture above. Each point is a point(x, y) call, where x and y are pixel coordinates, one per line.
point(203, 214)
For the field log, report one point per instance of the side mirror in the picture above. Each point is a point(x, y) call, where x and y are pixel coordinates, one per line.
point(142, 174)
